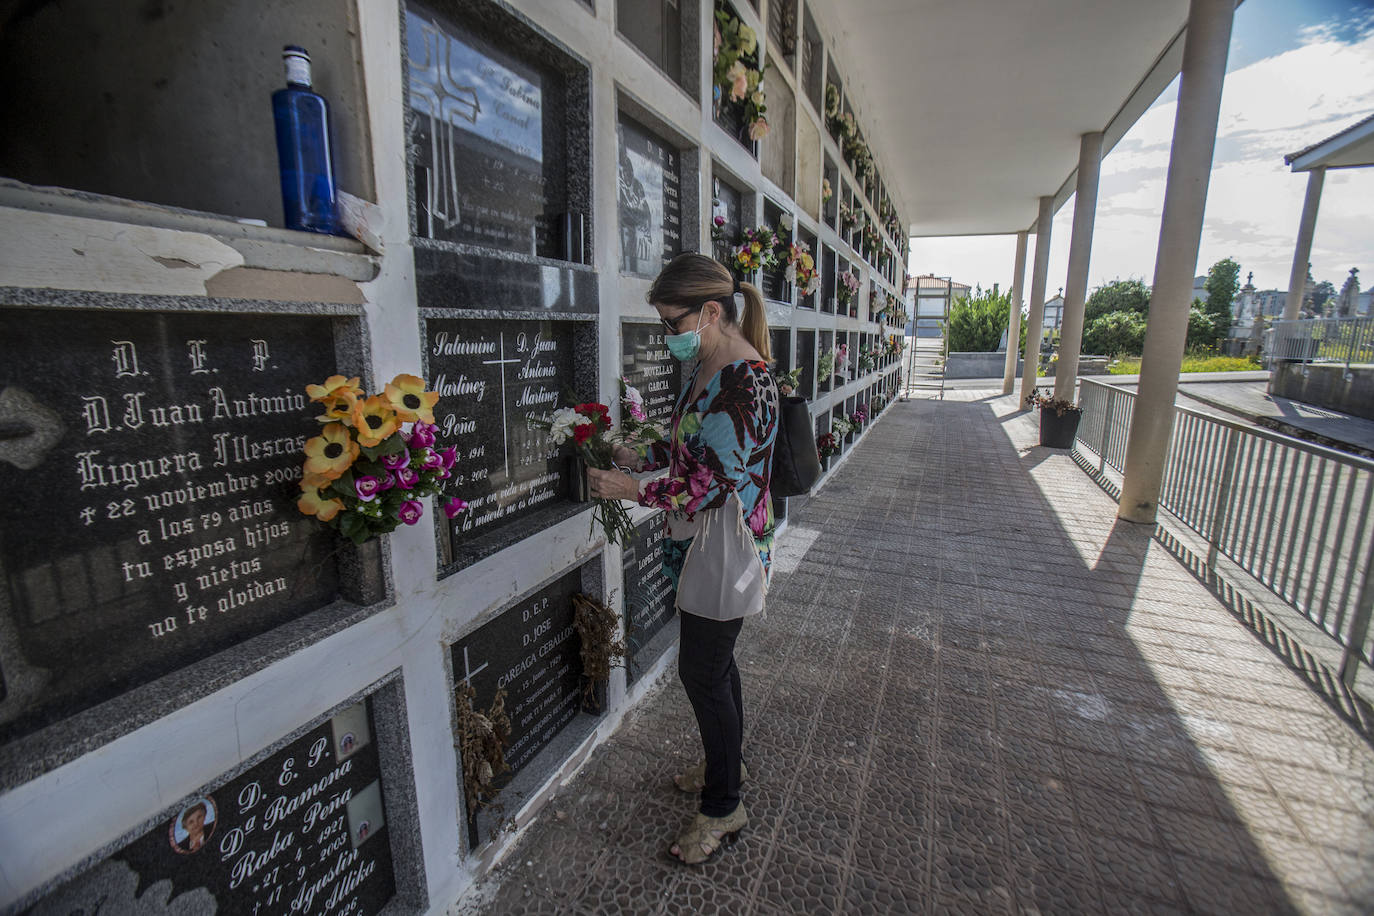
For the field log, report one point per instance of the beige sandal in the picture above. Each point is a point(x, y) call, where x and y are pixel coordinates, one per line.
point(693, 779)
point(704, 838)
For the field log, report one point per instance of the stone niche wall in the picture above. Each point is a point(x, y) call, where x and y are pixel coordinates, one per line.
point(171, 103)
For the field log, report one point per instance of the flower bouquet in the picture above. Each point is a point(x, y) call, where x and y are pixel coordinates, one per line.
point(842, 361)
point(827, 445)
point(757, 250)
point(848, 217)
point(736, 82)
point(868, 359)
point(847, 288)
point(827, 192)
point(825, 366)
point(859, 417)
point(586, 425)
point(367, 472)
point(790, 380)
point(801, 268)
point(635, 425)
point(841, 427)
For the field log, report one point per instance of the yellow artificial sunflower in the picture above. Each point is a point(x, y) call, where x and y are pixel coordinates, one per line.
point(407, 396)
point(330, 453)
point(333, 387)
point(339, 408)
point(374, 419)
point(312, 502)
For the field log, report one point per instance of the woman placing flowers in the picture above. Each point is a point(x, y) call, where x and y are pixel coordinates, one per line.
point(720, 520)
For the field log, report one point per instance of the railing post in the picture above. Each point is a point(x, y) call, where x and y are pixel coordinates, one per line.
point(1359, 630)
point(1223, 501)
point(1106, 430)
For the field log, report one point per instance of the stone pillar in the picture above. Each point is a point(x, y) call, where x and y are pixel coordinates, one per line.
point(1014, 319)
point(1044, 222)
point(1080, 250)
point(1302, 251)
point(1185, 197)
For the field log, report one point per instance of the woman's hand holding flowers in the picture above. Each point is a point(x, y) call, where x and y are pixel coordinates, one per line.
point(612, 484)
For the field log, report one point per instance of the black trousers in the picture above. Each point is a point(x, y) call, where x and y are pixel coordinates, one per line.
point(706, 666)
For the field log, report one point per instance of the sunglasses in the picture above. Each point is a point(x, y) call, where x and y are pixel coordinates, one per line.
point(672, 323)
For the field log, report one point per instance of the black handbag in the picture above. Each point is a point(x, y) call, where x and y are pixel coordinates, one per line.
point(796, 463)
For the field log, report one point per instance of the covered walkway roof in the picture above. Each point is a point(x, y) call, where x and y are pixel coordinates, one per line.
point(981, 103)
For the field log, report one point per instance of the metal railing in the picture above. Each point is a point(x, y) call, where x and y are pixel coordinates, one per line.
point(1296, 516)
point(1324, 340)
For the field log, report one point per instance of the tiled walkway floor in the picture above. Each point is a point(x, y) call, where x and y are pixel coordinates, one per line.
point(976, 691)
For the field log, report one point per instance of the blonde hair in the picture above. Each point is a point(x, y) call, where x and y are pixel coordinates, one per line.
point(691, 279)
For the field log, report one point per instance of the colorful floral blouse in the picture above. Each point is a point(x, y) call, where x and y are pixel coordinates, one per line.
point(720, 443)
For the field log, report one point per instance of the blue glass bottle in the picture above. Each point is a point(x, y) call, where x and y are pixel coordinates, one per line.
point(303, 151)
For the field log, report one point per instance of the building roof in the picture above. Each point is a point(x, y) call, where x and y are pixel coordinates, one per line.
point(975, 108)
point(1351, 148)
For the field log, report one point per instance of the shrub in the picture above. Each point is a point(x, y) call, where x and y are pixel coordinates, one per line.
point(976, 322)
point(1117, 296)
point(1115, 333)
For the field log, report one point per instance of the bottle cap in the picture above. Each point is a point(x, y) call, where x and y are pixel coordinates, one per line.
point(297, 61)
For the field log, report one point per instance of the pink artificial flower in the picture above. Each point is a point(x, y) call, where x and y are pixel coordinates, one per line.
point(449, 455)
point(421, 435)
point(367, 487)
point(454, 506)
point(719, 221)
point(410, 511)
point(406, 478)
point(739, 81)
point(759, 129)
point(397, 461)
point(388, 481)
point(430, 459)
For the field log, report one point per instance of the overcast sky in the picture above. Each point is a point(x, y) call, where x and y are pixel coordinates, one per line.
point(1298, 72)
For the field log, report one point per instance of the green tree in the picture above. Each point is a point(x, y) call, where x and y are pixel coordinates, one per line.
point(1322, 293)
point(1118, 333)
point(1117, 296)
point(976, 322)
point(1202, 330)
point(1223, 279)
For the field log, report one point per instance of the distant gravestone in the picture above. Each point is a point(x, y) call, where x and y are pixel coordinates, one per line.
point(491, 376)
point(647, 365)
point(150, 464)
point(649, 593)
point(304, 831)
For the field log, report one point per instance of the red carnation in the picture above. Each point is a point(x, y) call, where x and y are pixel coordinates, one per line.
point(582, 432)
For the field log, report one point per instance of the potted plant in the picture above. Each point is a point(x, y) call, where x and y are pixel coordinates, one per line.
point(1058, 419)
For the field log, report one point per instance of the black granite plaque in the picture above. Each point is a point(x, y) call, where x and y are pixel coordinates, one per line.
point(727, 206)
point(648, 366)
point(302, 832)
point(483, 137)
point(649, 200)
point(491, 376)
point(649, 593)
point(150, 464)
point(465, 280)
point(531, 651)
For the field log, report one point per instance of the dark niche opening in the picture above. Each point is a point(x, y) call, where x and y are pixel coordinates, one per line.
point(666, 31)
point(727, 219)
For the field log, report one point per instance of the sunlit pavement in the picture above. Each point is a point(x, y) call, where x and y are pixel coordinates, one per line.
point(976, 691)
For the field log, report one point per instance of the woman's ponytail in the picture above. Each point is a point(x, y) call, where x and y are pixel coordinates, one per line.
point(754, 322)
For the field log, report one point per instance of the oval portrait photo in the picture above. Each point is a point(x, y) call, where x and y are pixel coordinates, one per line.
point(192, 827)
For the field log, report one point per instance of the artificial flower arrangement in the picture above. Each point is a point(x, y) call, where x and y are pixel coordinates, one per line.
point(872, 242)
point(757, 250)
point(840, 427)
point(842, 361)
point(859, 417)
point(868, 359)
point(827, 192)
point(791, 380)
point(848, 217)
point(735, 81)
point(801, 268)
point(877, 404)
point(847, 287)
point(717, 226)
point(827, 445)
point(832, 105)
point(367, 471)
point(825, 366)
point(895, 344)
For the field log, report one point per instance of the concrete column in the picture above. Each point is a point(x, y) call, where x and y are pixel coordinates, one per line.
point(1302, 251)
point(1044, 223)
point(1080, 250)
point(1018, 279)
point(1180, 230)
